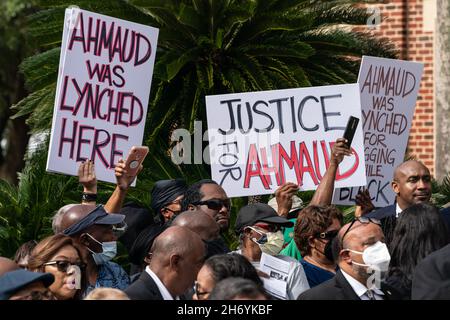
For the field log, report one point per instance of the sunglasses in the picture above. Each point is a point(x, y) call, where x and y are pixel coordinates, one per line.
point(199, 293)
point(363, 220)
point(268, 227)
point(327, 235)
point(215, 204)
point(63, 265)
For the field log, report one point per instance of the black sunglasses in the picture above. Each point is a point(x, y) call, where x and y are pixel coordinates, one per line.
point(363, 220)
point(214, 204)
point(63, 265)
point(327, 235)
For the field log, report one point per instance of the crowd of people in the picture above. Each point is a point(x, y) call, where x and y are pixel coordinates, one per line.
point(178, 252)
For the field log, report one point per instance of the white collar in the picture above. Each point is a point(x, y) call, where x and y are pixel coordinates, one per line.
point(162, 288)
point(398, 210)
point(358, 287)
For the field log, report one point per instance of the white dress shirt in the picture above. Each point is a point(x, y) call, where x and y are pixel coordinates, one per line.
point(361, 290)
point(161, 287)
point(398, 210)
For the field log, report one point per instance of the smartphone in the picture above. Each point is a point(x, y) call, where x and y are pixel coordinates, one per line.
point(135, 157)
point(350, 130)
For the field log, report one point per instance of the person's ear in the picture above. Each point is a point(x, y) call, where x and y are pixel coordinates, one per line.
point(191, 207)
point(395, 186)
point(174, 261)
point(148, 258)
point(84, 239)
point(344, 255)
point(165, 213)
point(311, 242)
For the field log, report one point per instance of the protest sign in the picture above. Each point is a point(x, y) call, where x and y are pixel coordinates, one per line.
point(103, 87)
point(389, 91)
point(260, 140)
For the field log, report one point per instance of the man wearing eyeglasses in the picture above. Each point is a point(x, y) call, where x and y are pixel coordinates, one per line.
point(210, 198)
point(412, 185)
point(363, 258)
point(258, 226)
point(26, 285)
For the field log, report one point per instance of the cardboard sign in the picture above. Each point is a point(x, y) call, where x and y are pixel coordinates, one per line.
point(260, 140)
point(389, 91)
point(103, 87)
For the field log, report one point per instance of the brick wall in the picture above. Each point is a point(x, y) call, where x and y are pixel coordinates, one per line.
point(403, 24)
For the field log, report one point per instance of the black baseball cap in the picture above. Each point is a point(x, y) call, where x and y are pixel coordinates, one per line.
point(96, 216)
point(13, 281)
point(258, 212)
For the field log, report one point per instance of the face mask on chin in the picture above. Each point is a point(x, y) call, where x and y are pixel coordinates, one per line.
point(270, 243)
point(376, 257)
point(109, 251)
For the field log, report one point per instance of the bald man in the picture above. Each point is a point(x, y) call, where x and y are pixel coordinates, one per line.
point(412, 185)
point(172, 266)
point(92, 228)
point(7, 265)
point(354, 278)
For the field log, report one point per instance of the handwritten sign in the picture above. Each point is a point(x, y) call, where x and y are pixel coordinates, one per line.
point(260, 140)
point(389, 91)
point(103, 87)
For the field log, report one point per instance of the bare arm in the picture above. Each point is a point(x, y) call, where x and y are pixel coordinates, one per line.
point(324, 192)
point(115, 202)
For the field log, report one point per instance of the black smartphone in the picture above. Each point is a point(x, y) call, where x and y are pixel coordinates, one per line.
point(350, 130)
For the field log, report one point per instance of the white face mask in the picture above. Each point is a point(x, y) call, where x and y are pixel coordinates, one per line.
point(376, 257)
point(270, 243)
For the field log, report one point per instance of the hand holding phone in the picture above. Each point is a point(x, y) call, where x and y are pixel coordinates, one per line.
point(350, 130)
point(135, 158)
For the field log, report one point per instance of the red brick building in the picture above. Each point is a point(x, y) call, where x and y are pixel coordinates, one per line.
point(411, 25)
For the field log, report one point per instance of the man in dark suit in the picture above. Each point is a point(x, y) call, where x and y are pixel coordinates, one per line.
point(431, 280)
point(354, 280)
point(173, 262)
point(412, 185)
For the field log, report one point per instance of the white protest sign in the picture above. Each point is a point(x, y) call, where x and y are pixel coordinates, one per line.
point(260, 140)
point(389, 90)
point(103, 87)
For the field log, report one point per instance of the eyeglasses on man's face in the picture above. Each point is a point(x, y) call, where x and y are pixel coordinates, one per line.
point(63, 265)
point(215, 204)
point(35, 295)
point(328, 235)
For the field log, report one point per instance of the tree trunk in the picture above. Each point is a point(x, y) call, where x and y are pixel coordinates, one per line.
point(442, 88)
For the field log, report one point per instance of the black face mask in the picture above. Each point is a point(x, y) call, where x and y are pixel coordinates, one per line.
point(328, 251)
point(215, 246)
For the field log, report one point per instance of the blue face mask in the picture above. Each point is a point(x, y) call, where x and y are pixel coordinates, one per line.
point(109, 251)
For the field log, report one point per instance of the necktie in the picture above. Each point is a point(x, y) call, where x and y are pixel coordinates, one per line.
point(370, 295)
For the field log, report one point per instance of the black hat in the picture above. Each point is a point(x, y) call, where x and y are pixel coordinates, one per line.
point(13, 281)
point(96, 216)
point(166, 191)
point(258, 212)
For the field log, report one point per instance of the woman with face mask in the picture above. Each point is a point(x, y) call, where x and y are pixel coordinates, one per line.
point(59, 256)
point(258, 226)
point(314, 232)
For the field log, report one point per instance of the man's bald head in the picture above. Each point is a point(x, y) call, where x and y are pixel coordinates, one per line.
point(7, 265)
point(176, 240)
point(199, 222)
point(411, 184)
point(71, 214)
point(176, 257)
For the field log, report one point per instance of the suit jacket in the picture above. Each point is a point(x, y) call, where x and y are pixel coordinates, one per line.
point(144, 288)
point(431, 279)
point(337, 288)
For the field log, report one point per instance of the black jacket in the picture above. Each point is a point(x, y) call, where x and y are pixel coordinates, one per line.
point(337, 288)
point(144, 288)
point(431, 279)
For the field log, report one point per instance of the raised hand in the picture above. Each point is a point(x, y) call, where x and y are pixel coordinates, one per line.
point(86, 176)
point(284, 197)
